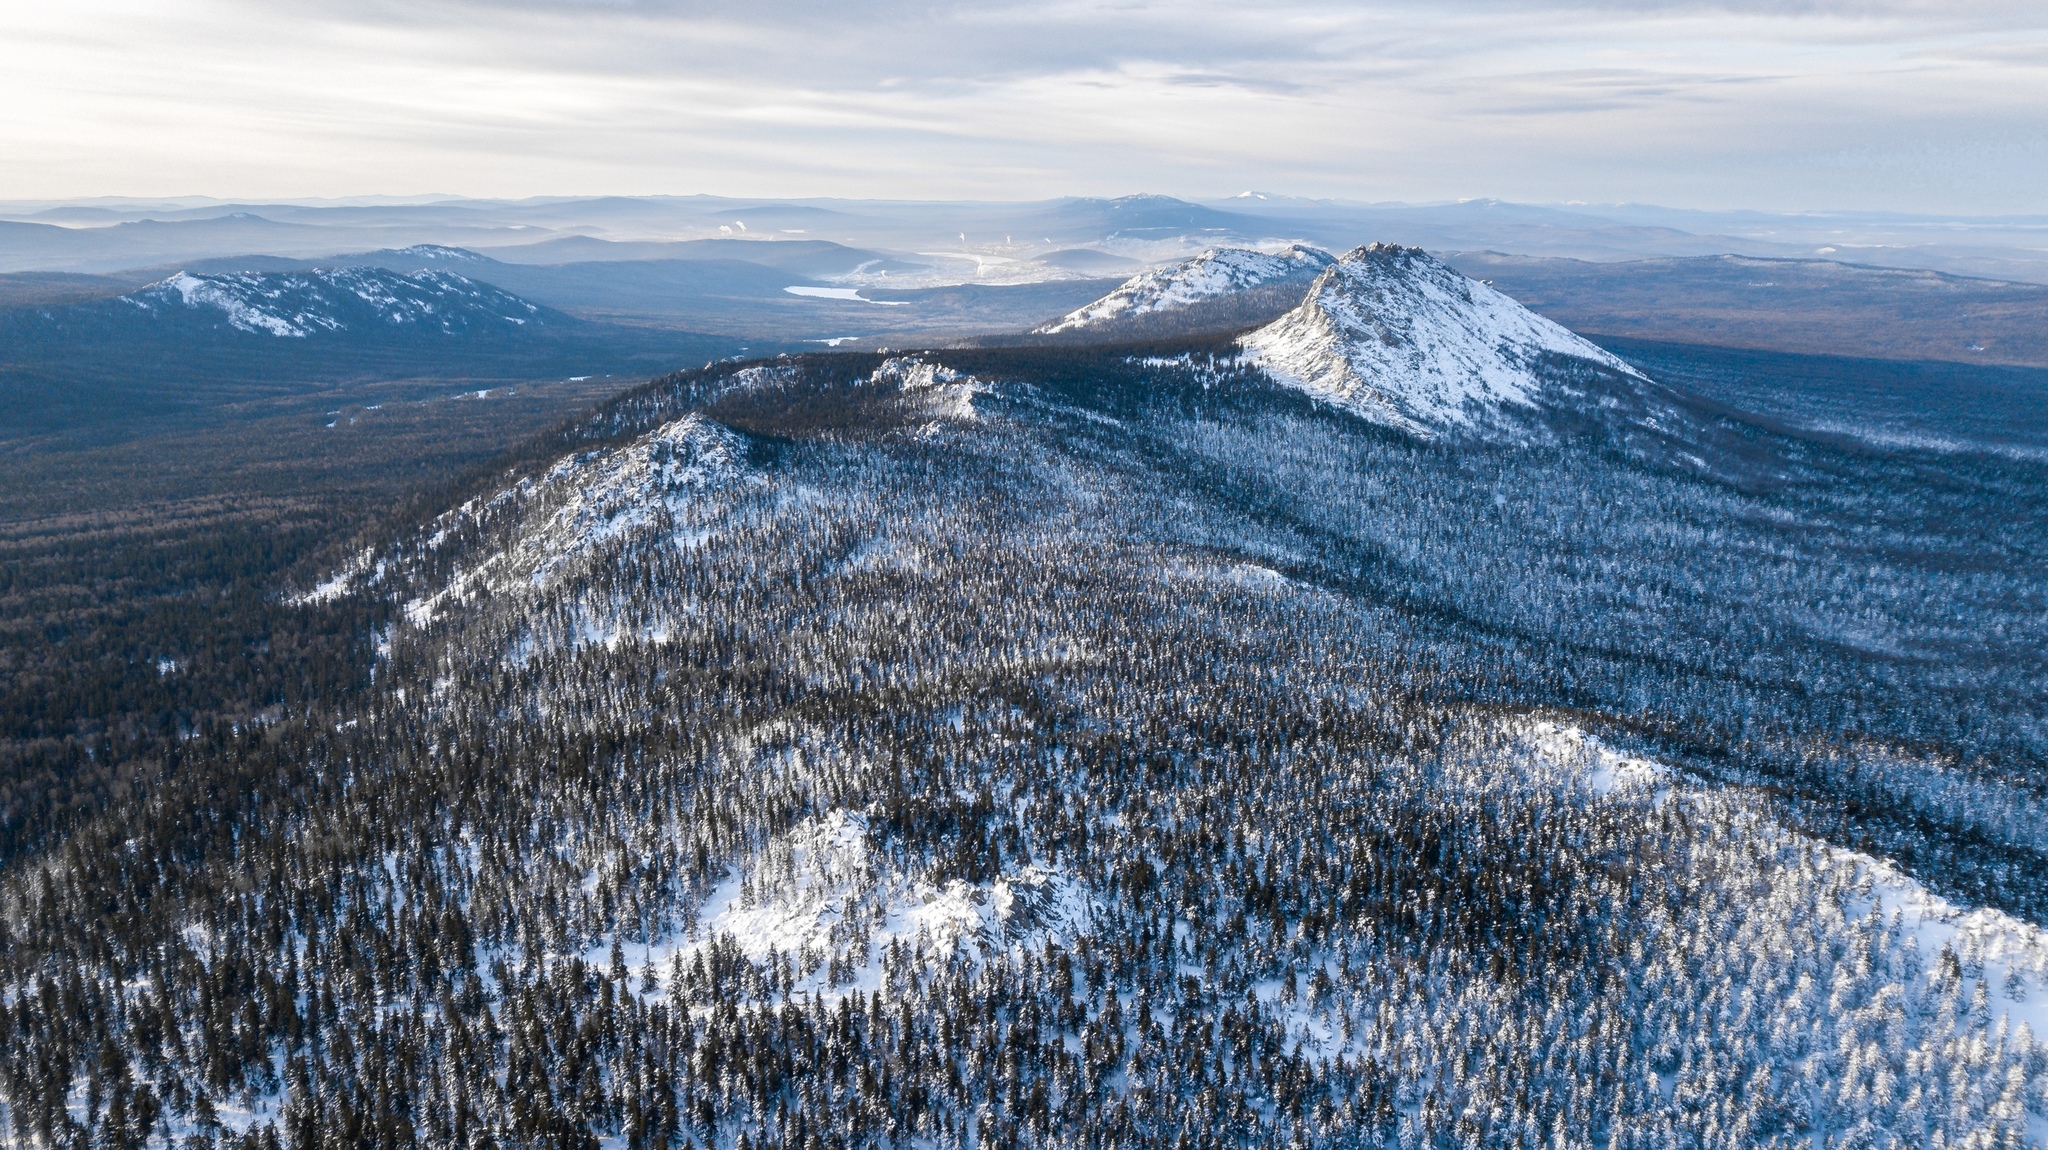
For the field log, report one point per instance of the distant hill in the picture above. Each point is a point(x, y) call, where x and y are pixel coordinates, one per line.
point(31, 246)
point(192, 341)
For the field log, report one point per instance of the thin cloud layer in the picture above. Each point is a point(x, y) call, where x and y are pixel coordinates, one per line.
point(1897, 105)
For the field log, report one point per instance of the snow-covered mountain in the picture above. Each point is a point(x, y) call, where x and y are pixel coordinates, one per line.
point(1029, 747)
point(294, 305)
point(1214, 274)
point(1396, 336)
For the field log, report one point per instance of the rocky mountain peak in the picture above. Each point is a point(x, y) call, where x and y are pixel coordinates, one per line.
point(1392, 333)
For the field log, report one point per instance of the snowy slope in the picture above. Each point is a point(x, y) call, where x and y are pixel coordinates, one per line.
point(589, 499)
point(294, 305)
point(667, 487)
point(1215, 273)
point(2004, 955)
point(1401, 339)
point(631, 489)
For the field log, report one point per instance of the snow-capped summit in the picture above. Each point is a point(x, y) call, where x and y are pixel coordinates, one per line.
point(299, 304)
point(1396, 336)
point(1215, 273)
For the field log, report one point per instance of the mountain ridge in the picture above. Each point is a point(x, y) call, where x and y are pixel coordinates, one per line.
point(300, 304)
point(1034, 747)
point(1215, 273)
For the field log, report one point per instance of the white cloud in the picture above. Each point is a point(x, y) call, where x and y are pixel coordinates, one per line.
point(1763, 104)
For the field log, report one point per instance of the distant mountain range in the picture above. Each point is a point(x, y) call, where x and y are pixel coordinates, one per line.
point(1808, 306)
point(753, 289)
point(703, 263)
point(993, 242)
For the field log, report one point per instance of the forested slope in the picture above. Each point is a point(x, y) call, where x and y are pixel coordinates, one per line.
point(1103, 747)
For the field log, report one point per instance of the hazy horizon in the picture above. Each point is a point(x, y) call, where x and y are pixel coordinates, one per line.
point(198, 200)
point(1885, 106)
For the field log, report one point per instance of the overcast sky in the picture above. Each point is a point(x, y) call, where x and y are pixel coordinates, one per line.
point(1929, 105)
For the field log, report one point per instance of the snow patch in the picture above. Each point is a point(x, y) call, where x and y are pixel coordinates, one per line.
point(1606, 770)
point(365, 566)
point(2009, 954)
point(822, 891)
point(242, 313)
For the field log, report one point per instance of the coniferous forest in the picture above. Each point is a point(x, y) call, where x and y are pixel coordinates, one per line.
point(1083, 747)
